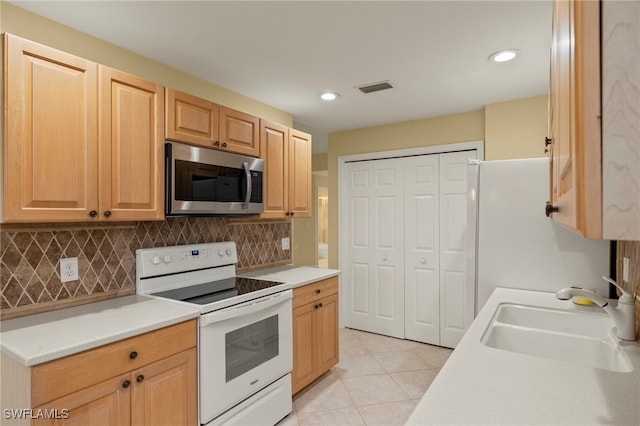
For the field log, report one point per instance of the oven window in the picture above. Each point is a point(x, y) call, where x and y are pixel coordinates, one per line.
point(250, 346)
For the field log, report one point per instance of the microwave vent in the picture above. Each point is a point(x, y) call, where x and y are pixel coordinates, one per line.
point(375, 87)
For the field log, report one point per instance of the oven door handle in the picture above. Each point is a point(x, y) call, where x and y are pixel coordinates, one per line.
point(247, 173)
point(246, 308)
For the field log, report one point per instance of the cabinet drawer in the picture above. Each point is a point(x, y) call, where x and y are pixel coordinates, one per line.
point(313, 292)
point(57, 378)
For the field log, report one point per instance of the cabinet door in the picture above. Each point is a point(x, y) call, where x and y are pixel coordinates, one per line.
point(274, 140)
point(50, 151)
point(239, 132)
point(165, 392)
point(574, 121)
point(131, 147)
point(299, 174)
point(191, 119)
point(304, 355)
point(326, 325)
point(103, 404)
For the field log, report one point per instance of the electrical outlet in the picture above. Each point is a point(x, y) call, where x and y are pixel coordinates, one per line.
point(625, 269)
point(69, 269)
point(285, 243)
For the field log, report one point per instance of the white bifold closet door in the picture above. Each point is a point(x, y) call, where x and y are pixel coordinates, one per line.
point(406, 247)
point(375, 247)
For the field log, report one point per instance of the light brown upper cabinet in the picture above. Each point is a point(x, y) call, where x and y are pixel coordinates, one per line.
point(58, 167)
point(200, 122)
point(191, 119)
point(51, 134)
point(594, 111)
point(287, 156)
point(131, 147)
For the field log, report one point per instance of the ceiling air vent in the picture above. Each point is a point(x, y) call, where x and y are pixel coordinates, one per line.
point(375, 87)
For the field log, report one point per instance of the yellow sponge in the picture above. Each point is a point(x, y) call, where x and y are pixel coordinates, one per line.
point(581, 301)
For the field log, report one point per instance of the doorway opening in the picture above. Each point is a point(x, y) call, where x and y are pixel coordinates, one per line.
point(323, 226)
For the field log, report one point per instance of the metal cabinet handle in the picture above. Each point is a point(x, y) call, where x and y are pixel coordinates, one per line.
point(107, 213)
point(216, 143)
point(224, 144)
point(133, 355)
point(126, 384)
point(318, 291)
point(93, 213)
point(140, 378)
point(547, 142)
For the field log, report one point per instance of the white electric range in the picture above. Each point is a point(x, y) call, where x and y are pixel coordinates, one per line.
point(244, 334)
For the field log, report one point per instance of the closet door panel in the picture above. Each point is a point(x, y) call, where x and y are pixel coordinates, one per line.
point(456, 294)
point(375, 293)
point(421, 212)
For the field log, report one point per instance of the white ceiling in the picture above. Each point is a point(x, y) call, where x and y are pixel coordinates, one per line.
point(285, 53)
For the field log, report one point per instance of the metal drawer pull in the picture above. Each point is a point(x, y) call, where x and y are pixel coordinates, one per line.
point(140, 378)
point(133, 355)
point(126, 384)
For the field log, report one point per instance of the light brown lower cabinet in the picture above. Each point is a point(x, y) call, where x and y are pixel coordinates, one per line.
point(150, 379)
point(315, 331)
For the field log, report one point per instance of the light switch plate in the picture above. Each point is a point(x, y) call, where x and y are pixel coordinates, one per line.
point(625, 269)
point(285, 243)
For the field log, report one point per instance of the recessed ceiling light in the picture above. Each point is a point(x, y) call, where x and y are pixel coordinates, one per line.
point(504, 55)
point(328, 96)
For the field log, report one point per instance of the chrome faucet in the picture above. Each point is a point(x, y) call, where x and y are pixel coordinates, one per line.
point(623, 315)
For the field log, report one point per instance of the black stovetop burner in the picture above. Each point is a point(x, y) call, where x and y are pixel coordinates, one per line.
point(202, 294)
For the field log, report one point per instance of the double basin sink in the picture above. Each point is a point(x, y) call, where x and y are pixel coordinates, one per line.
point(580, 337)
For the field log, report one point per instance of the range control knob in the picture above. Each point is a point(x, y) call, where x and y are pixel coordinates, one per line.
point(229, 252)
point(155, 260)
point(167, 258)
point(221, 252)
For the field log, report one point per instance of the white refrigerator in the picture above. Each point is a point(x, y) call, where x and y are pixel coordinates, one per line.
point(513, 244)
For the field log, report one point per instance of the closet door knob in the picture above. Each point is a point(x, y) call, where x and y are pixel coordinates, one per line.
point(423, 261)
point(384, 258)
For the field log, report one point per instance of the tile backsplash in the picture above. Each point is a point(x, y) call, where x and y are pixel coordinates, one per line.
point(30, 256)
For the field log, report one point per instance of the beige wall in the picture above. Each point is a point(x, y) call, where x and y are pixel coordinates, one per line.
point(516, 129)
point(33, 27)
point(319, 162)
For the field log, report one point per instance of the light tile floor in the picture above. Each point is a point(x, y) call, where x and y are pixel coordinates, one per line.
point(378, 381)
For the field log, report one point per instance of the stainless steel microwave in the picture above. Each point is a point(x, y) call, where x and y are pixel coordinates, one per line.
point(204, 181)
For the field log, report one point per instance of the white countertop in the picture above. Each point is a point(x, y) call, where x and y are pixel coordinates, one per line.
point(480, 385)
point(294, 275)
point(39, 338)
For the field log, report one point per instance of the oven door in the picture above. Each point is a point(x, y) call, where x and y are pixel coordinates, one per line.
point(243, 349)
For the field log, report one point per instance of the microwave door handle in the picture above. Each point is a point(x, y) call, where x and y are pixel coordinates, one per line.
point(247, 174)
